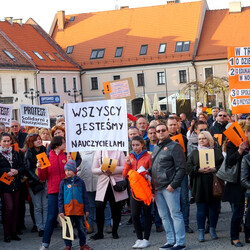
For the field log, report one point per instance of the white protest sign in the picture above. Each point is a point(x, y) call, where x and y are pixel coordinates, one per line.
point(35, 116)
point(5, 114)
point(98, 125)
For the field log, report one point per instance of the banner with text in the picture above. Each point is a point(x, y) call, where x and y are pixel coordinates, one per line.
point(5, 114)
point(98, 125)
point(35, 116)
point(239, 78)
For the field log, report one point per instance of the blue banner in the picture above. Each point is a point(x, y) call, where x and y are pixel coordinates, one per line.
point(49, 99)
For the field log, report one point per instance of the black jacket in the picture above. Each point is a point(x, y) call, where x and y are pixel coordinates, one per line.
point(30, 165)
point(5, 167)
point(168, 165)
point(202, 188)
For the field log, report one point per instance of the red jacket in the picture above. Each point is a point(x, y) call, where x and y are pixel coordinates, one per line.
point(55, 173)
point(145, 161)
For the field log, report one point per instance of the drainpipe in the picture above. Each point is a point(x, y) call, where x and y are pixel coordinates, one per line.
point(36, 84)
point(81, 73)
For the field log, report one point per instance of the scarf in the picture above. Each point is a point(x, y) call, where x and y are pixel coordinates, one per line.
point(202, 147)
point(7, 153)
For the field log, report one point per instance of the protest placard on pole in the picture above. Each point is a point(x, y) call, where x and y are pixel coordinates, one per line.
point(98, 125)
point(5, 114)
point(35, 116)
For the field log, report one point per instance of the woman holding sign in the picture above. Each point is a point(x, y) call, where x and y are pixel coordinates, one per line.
point(11, 169)
point(37, 187)
point(108, 165)
point(202, 188)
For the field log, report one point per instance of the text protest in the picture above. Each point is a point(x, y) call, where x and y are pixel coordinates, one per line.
point(5, 114)
point(36, 116)
point(99, 125)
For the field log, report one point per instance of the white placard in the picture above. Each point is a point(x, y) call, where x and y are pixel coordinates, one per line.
point(5, 114)
point(98, 125)
point(35, 116)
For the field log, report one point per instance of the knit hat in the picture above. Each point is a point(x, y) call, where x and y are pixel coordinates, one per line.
point(70, 165)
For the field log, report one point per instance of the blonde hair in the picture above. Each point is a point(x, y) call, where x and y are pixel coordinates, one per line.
point(209, 138)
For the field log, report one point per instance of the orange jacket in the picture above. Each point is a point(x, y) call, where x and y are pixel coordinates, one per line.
point(145, 161)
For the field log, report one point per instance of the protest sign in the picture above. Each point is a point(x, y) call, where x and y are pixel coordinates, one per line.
point(235, 134)
point(5, 114)
point(239, 79)
point(98, 125)
point(219, 138)
point(122, 88)
point(35, 116)
point(109, 164)
point(43, 159)
point(6, 179)
point(178, 138)
point(67, 228)
point(206, 157)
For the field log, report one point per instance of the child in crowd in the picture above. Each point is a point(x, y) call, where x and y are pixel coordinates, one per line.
point(73, 202)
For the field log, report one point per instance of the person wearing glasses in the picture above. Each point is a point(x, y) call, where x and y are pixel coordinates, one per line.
point(219, 127)
point(202, 188)
point(37, 187)
point(167, 170)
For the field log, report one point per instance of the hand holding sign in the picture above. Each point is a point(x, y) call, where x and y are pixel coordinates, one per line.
point(67, 228)
point(206, 158)
point(235, 134)
point(43, 159)
point(6, 178)
point(109, 165)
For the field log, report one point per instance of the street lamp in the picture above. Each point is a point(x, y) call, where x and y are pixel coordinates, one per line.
point(32, 94)
point(75, 94)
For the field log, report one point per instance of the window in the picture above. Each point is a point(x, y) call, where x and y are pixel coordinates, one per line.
point(74, 83)
point(97, 53)
point(9, 55)
point(182, 46)
point(1, 90)
point(143, 50)
point(64, 84)
point(118, 52)
point(15, 114)
point(59, 57)
point(94, 83)
point(26, 85)
point(163, 106)
point(116, 77)
point(14, 90)
point(27, 54)
point(43, 85)
point(208, 72)
point(183, 76)
point(140, 80)
point(161, 78)
point(69, 49)
point(38, 55)
point(72, 19)
point(162, 48)
point(49, 56)
point(54, 85)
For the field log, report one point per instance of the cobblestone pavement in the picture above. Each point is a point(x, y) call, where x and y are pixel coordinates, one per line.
point(31, 241)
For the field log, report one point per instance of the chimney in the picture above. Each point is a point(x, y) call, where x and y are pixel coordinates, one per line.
point(9, 19)
point(18, 20)
point(124, 7)
point(60, 20)
point(235, 7)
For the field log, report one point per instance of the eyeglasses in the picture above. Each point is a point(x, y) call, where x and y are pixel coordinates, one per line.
point(202, 139)
point(222, 115)
point(203, 129)
point(161, 130)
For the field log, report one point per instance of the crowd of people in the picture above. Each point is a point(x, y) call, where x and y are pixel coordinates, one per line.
point(76, 185)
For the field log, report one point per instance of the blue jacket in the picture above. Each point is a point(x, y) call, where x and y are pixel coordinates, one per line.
point(72, 198)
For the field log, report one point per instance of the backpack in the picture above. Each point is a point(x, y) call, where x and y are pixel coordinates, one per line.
point(141, 188)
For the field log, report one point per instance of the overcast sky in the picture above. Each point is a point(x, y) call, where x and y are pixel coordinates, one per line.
point(43, 12)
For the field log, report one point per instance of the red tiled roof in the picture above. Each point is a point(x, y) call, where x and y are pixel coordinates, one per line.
point(27, 38)
point(131, 28)
point(222, 29)
point(18, 62)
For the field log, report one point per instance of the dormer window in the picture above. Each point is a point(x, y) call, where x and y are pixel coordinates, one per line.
point(59, 57)
point(38, 55)
point(69, 49)
point(72, 19)
point(162, 48)
point(97, 53)
point(143, 50)
point(182, 46)
point(118, 52)
point(9, 55)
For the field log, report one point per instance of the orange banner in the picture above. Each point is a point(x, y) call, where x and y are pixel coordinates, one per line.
point(235, 134)
point(43, 159)
point(6, 179)
point(178, 138)
point(106, 87)
point(219, 138)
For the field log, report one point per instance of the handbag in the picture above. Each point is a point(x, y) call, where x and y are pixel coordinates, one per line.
point(228, 173)
point(120, 186)
point(218, 187)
